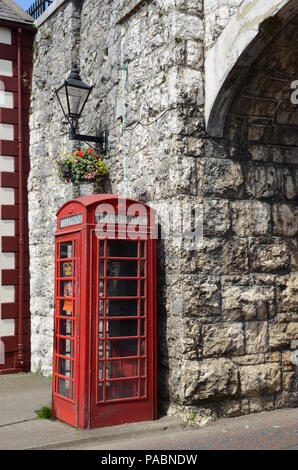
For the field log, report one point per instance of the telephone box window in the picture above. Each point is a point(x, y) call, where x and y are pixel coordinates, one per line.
point(121, 248)
point(125, 308)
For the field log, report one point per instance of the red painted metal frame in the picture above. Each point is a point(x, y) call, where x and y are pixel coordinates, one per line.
point(20, 52)
point(68, 405)
point(87, 410)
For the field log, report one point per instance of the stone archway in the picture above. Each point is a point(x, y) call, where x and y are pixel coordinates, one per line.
point(251, 179)
point(240, 43)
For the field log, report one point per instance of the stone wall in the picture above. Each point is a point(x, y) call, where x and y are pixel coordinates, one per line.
point(217, 14)
point(227, 312)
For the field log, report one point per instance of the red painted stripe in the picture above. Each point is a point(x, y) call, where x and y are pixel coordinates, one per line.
point(9, 277)
point(9, 179)
point(10, 310)
point(10, 343)
point(10, 244)
point(9, 212)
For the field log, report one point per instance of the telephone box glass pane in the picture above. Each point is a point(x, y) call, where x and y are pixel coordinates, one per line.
point(100, 392)
point(100, 370)
point(122, 288)
point(66, 250)
point(143, 388)
point(66, 269)
point(122, 268)
point(122, 368)
point(142, 327)
point(123, 389)
point(142, 308)
point(65, 328)
point(65, 347)
point(122, 348)
point(102, 268)
point(142, 250)
point(67, 307)
point(143, 366)
point(66, 289)
point(122, 248)
point(142, 268)
point(122, 328)
point(64, 367)
point(125, 308)
point(64, 388)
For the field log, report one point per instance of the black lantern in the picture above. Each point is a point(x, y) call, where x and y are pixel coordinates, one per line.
point(73, 96)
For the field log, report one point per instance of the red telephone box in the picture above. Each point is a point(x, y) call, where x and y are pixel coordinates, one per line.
point(104, 370)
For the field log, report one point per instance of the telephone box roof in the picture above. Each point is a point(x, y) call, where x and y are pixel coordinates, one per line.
point(87, 201)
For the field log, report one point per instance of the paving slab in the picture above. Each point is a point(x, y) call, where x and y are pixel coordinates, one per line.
point(21, 395)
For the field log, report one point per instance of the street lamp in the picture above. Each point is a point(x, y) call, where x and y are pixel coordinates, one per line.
point(72, 96)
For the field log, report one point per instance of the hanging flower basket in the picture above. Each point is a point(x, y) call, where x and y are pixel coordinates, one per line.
point(85, 169)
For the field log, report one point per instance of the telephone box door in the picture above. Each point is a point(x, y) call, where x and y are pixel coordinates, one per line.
point(66, 329)
point(122, 383)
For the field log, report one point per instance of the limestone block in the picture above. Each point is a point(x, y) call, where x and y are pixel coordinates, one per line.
point(234, 257)
point(215, 256)
point(263, 182)
point(216, 217)
point(222, 177)
point(259, 404)
point(281, 335)
point(288, 294)
point(250, 218)
point(258, 153)
point(247, 303)
point(222, 339)
point(209, 379)
point(247, 360)
point(256, 337)
point(183, 337)
point(231, 408)
point(290, 381)
point(269, 255)
point(290, 180)
point(195, 296)
point(285, 220)
point(185, 26)
point(194, 54)
point(263, 379)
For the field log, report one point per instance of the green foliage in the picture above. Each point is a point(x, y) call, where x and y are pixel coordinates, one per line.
point(82, 166)
point(191, 418)
point(44, 413)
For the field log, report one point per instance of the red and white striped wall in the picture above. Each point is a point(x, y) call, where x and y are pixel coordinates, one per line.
point(15, 81)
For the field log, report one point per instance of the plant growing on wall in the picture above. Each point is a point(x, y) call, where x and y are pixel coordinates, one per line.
point(82, 166)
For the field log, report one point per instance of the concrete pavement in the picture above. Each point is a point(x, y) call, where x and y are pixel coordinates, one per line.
point(20, 428)
point(22, 394)
point(275, 430)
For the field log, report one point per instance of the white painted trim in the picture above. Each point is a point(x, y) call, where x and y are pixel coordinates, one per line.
point(6, 131)
point(7, 196)
point(6, 99)
point(6, 68)
point(6, 164)
point(5, 35)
